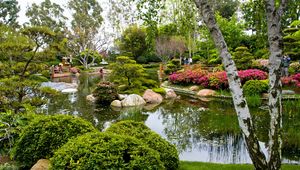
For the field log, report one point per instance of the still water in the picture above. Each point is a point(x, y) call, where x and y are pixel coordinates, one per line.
point(202, 131)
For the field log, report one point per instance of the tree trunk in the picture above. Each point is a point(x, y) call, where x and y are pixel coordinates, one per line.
point(275, 91)
point(240, 104)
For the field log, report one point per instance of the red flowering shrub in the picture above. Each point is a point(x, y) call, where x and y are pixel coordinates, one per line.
point(293, 80)
point(252, 74)
point(217, 80)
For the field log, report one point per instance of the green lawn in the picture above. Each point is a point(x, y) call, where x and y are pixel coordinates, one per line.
point(184, 165)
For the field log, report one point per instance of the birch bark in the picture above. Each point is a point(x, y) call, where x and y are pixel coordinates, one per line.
point(245, 121)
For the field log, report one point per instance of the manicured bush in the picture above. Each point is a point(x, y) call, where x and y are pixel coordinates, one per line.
point(242, 57)
point(252, 74)
point(105, 151)
point(255, 87)
point(167, 151)
point(105, 93)
point(218, 80)
point(293, 80)
point(45, 134)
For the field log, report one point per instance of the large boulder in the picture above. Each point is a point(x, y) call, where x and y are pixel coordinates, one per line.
point(133, 100)
point(116, 103)
point(206, 92)
point(170, 94)
point(42, 164)
point(91, 98)
point(151, 97)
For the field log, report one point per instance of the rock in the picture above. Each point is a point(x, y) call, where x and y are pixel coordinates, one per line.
point(194, 88)
point(152, 97)
point(116, 103)
point(170, 94)
point(133, 100)
point(122, 96)
point(206, 92)
point(70, 90)
point(42, 164)
point(91, 98)
point(288, 92)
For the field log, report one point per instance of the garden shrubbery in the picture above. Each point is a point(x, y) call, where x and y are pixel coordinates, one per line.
point(255, 87)
point(293, 80)
point(217, 80)
point(45, 134)
point(105, 93)
point(106, 151)
point(167, 151)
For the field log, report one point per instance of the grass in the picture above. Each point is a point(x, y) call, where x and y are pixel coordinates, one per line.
point(185, 165)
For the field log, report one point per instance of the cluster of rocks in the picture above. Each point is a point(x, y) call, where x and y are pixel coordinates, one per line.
point(149, 97)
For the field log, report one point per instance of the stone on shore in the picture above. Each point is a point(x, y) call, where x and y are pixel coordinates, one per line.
point(170, 94)
point(194, 88)
point(116, 103)
point(91, 98)
point(152, 97)
point(206, 93)
point(42, 164)
point(133, 100)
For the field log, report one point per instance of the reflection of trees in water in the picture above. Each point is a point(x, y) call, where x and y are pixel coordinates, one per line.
point(215, 131)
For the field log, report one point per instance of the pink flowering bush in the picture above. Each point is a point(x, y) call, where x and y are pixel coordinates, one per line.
point(252, 74)
point(293, 80)
point(217, 80)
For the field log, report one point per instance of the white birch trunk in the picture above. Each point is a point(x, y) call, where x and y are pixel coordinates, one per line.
point(240, 104)
point(275, 91)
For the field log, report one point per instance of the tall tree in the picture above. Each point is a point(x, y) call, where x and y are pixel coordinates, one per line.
point(274, 14)
point(47, 14)
point(86, 22)
point(9, 12)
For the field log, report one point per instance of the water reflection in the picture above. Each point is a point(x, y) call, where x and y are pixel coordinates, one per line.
point(211, 135)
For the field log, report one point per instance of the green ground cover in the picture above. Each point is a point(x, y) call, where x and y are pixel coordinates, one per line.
point(185, 165)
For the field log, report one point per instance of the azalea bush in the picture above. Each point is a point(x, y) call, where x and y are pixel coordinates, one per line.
point(216, 80)
point(293, 80)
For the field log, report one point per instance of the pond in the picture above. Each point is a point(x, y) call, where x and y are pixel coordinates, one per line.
point(202, 131)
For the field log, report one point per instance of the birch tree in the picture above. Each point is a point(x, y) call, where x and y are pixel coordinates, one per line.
point(272, 161)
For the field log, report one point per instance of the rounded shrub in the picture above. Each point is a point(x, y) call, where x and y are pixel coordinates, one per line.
point(105, 93)
point(255, 87)
point(99, 150)
point(45, 134)
point(168, 152)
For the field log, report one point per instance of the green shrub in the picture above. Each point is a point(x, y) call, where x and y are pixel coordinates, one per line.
point(105, 93)
point(105, 151)
point(255, 87)
point(8, 166)
point(38, 78)
point(168, 152)
point(161, 91)
point(254, 100)
point(46, 73)
point(196, 58)
point(45, 134)
point(242, 58)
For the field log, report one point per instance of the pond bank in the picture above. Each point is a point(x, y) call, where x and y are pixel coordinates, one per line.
point(193, 94)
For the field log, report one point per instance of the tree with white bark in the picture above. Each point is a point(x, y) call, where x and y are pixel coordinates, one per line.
point(274, 10)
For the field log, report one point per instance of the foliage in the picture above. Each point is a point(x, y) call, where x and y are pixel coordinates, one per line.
point(11, 125)
point(172, 66)
point(161, 91)
point(294, 68)
point(216, 80)
point(255, 87)
point(242, 58)
point(105, 93)
point(128, 72)
point(292, 40)
point(46, 14)
point(293, 80)
point(9, 12)
point(169, 47)
point(45, 134)
point(167, 151)
point(105, 151)
point(225, 8)
point(133, 42)
point(87, 58)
